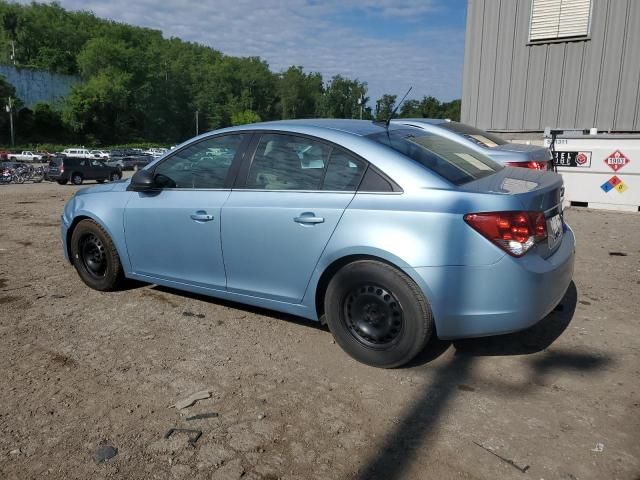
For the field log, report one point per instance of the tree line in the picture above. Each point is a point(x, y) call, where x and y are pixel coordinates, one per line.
point(138, 86)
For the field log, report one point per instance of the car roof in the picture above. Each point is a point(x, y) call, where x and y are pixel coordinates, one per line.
point(351, 135)
point(353, 127)
point(430, 121)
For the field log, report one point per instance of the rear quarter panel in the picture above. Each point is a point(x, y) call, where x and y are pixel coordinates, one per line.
point(420, 228)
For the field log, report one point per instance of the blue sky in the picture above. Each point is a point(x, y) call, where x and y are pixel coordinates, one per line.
point(391, 44)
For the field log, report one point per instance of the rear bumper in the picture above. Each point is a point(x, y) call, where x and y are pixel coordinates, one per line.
point(505, 297)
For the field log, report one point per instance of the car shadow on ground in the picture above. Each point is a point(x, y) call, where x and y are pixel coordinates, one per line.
point(533, 339)
point(417, 427)
point(244, 307)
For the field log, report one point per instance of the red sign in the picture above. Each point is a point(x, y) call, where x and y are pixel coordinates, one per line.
point(581, 158)
point(616, 160)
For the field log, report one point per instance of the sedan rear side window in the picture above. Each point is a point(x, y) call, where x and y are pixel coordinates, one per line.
point(451, 160)
point(288, 162)
point(343, 173)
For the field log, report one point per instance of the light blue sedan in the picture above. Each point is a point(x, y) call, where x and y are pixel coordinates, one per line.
point(389, 234)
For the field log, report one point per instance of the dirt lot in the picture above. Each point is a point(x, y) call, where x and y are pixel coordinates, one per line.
point(82, 369)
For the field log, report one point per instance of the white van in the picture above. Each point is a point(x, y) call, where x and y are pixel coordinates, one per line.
point(77, 152)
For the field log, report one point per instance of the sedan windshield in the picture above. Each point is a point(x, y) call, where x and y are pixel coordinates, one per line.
point(451, 160)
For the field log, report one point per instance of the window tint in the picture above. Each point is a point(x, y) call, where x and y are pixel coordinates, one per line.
point(96, 163)
point(373, 181)
point(456, 163)
point(344, 172)
point(202, 165)
point(288, 162)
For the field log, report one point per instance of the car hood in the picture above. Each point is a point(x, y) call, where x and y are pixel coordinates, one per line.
point(117, 186)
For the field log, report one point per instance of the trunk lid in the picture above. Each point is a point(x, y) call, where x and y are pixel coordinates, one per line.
point(532, 152)
point(535, 191)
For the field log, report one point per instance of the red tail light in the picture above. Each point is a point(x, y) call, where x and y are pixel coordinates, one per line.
point(531, 165)
point(514, 232)
point(61, 168)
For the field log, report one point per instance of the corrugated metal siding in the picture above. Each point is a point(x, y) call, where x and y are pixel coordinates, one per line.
point(511, 85)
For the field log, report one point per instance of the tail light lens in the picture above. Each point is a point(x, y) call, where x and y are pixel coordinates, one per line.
point(531, 165)
point(61, 168)
point(514, 232)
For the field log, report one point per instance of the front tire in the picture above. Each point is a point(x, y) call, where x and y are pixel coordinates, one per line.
point(377, 314)
point(95, 257)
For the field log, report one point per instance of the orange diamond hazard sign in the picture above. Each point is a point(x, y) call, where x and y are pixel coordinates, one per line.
point(616, 160)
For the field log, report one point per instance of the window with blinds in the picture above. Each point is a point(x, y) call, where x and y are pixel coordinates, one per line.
point(557, 19)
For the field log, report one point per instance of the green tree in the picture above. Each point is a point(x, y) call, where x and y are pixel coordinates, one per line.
point(300, 93)
point(244, 117)
point(385, 106)
point(342, 98)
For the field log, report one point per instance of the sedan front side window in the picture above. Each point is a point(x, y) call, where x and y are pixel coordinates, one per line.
point(202, 165)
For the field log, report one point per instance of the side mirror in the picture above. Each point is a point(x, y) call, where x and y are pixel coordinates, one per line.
point(142, 180)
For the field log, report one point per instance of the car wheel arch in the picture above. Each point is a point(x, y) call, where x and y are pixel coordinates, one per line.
point(84, 216)
point(331, 269)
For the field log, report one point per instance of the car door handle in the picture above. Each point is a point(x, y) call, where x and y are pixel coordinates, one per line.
point(308, 218)
point(201, 216)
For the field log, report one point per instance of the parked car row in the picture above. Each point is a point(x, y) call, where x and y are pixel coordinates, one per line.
point(126, 159)
point(60, 169)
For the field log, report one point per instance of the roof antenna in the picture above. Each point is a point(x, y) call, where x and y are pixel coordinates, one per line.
point(386, 124)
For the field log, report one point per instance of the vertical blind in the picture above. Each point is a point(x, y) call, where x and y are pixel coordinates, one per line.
point(551, 19)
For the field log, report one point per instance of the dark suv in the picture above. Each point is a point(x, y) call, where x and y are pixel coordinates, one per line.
point(63, 169)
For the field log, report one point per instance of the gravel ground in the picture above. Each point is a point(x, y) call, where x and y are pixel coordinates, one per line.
point(83, 370)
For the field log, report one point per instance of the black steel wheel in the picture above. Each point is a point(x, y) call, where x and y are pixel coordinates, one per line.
point(373, 315)
point(92, 255)
point(95, 257)
point(377, 313)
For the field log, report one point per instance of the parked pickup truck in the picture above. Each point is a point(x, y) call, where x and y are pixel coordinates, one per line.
point(26, 156)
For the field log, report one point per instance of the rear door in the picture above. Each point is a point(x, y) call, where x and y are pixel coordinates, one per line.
point(96, 170)
point(173, 233)
point(287, 204)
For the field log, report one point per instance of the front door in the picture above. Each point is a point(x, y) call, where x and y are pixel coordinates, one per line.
point(174, 233)
point(276, 226)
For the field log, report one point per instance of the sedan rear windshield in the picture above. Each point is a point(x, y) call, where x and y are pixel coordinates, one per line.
point(480, 137)
point(451, 160)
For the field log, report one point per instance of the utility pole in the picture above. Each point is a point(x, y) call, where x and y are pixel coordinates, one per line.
point(360, 100)
point(197, 128)
point(9, 108)
point(13, 51)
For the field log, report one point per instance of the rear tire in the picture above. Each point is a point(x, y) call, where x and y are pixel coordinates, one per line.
point(114, 177)
point(76, 179)
point(95, 257)
point(377, 314)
